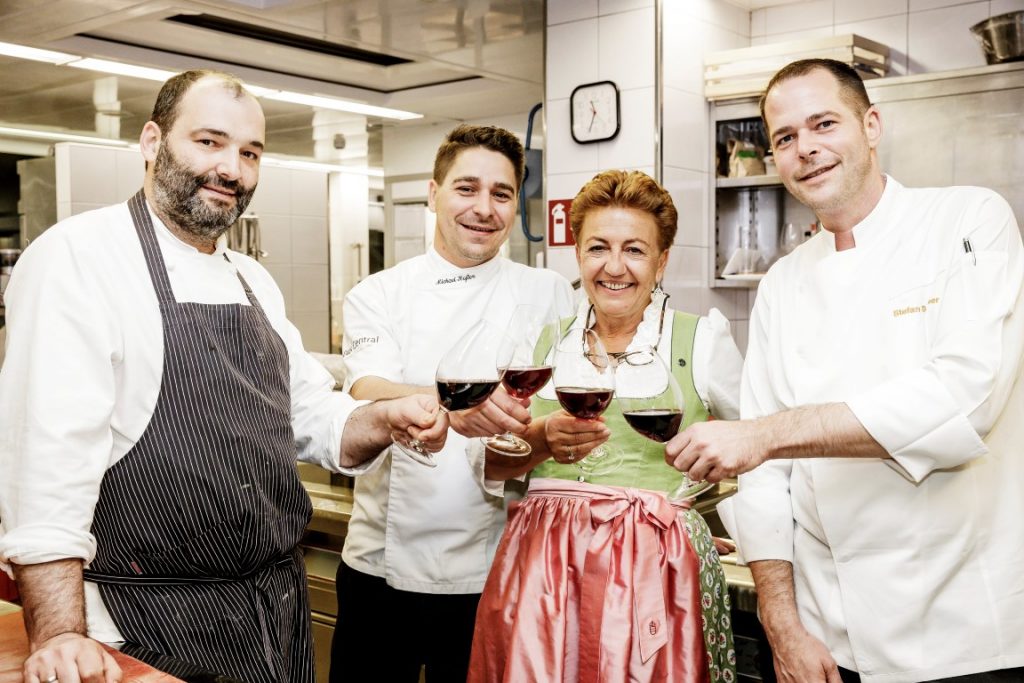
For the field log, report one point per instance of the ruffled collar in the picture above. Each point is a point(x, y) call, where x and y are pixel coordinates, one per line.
point(648, 332)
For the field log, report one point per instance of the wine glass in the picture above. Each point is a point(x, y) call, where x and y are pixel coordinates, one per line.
point(585, 383)
point(652, 404)
point(524, 376)
point(466, 376)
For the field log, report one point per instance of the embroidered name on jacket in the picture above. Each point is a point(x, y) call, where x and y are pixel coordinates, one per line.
point(455, 278)
point(897, 312)
point(356, 343)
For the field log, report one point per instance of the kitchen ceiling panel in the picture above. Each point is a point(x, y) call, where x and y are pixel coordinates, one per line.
point(467, 59)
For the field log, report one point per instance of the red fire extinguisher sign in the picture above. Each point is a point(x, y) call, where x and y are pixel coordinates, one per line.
point(559, 232)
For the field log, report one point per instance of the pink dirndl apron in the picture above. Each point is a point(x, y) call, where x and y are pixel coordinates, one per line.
point(591, 583)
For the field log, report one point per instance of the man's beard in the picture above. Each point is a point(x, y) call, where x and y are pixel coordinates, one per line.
point(176, 190)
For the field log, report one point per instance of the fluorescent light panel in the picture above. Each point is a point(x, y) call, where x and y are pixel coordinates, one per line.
point(151, 74)
point(35, 54)
point(57, 136)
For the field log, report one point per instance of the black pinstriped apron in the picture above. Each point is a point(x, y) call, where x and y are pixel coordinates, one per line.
point(197, 525)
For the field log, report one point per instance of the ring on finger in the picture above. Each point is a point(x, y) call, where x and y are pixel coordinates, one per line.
point(52, 679)
point(570, 454)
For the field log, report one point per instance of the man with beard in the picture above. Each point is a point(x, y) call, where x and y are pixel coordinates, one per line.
point(153, 401)
point(882, 407)
point(421, 539)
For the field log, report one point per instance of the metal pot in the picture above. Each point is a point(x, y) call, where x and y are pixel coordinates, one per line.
point(1001, 37)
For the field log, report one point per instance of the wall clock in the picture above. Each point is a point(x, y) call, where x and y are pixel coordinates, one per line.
point(594, 112)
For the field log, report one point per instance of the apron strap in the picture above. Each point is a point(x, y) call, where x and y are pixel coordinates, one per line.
point(150, 248)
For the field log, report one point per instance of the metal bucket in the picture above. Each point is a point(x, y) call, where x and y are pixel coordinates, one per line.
point(1001, 37)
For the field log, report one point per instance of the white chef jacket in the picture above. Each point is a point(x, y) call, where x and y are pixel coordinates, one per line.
point(83, 370)
point(912, 568)
point(430, 530)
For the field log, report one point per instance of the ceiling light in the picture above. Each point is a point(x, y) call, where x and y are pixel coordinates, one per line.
point(122, 69)
point(161, 75)
point(35, 54)
point(341, 105)
point(283, 162)
point(57, 136)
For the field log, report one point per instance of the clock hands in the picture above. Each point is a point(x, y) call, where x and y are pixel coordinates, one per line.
point(593, 115)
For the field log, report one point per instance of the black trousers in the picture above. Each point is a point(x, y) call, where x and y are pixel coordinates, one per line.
point(1002, 676)
point(385, 634)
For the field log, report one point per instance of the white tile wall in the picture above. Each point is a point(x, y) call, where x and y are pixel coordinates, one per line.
point(626, 49)
point(690, 196)
point(309, 240)
point(633, 147)
point(308, 192)
point(572, 57)
point(91, 169)
point(309, 289)
point(615, 6)
point(566, 185)
point(562, 11)
point(1003, 6)
point(683, 54)
point(741, 333)
point(275, 238)
point(940, 39)
point(724, 15)
point(686, 266)
point(565, 155)
point(131, 172)
point(922, 5)
point(923, 35)
point(795, 35)
point(799, 16)
point(891, 31)
point(685, 130)
point(314, 329)
point(282, 274)
point(846, 12)
point(270, 195)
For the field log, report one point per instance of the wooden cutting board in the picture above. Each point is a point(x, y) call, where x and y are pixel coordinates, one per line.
point(14, 651)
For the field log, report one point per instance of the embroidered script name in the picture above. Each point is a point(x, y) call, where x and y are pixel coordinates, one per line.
point(455, 278)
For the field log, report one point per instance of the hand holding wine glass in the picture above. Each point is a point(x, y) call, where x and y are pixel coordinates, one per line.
point(524, 376)
point(585, 383)
point(466, 376)
point(652, 404)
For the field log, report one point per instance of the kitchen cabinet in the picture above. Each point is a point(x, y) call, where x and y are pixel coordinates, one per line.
point(757, 204)
point(963, 127)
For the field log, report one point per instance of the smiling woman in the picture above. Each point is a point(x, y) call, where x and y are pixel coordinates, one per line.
point(547, 611)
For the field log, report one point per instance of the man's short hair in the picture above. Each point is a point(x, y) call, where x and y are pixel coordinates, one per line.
point(851, 86)
point(166, 108)
point(626, 190)
point(465, 137)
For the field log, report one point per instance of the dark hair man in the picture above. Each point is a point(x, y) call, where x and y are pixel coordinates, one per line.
point(152, 404)
point(421, 540)
point(879, 455)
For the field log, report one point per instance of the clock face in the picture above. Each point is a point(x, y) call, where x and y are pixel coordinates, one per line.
point(594, 112)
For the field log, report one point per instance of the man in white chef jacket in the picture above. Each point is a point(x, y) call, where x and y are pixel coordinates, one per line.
point(421, 539)
point(880, 454)
point(152, 403)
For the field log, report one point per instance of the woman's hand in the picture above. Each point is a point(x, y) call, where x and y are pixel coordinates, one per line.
point(570, 439)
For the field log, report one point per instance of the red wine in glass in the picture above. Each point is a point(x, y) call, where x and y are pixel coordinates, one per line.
point(464, 394)
point(524, 382)
point(657, 424)
point(584, 403)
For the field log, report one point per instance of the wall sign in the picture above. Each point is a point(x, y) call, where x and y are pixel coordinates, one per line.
point(559, 232)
